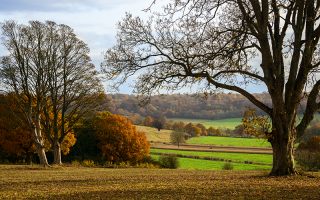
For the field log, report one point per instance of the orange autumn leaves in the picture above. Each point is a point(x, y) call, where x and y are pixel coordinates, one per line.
point(17, 139)
point(119, 140)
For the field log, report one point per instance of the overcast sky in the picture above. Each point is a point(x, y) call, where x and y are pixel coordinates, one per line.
point(94, 21)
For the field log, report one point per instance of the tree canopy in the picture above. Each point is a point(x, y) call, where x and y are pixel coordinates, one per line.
point(212, 43)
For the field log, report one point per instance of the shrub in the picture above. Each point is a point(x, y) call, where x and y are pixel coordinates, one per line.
point(310, 160)
point(215, 158)
point(171, 162)
point(248, 161)
point(88, 163)
point(75, 162)
point(227, 166)
point(207, 158)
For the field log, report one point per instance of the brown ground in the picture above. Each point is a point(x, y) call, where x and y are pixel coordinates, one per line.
point(213, 148)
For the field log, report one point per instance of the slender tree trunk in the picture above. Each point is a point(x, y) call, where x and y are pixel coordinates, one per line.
point(42, 154)
point(57, 153)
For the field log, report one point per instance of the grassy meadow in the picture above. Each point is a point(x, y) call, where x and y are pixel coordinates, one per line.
point(187, 121)
point(229, 141)
point(224, 123)
point(154, 135)
point(190, 163)
point(257, 158)
point(22, 182)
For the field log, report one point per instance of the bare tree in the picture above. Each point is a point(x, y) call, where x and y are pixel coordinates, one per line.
point(50, 71)
point(212, 42)
point(74, 88)
point(23, 73)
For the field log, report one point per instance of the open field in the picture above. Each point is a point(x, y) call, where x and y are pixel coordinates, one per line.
point(258, 158)
point(189, 163)
point(224, 123)
point(19, 182)
point(187, 121)
point(154, 135)
point(229, 141)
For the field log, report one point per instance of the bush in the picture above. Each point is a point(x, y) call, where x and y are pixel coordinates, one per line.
point(310, 160)
point(171, 162)
point(75, 162)
point(227, 166)
point(207, 158)
point(88, 163)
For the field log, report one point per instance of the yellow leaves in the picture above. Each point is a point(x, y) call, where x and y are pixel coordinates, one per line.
point(255, 125)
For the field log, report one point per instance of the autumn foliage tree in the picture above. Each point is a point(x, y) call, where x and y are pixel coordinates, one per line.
point(147, 121)
point(17, 139)
point(211, 131)
point(119, 140)
point(203, 129)
point(14, 138)
point(313, 144)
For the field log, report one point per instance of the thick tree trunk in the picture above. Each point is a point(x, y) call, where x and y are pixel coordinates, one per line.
point(29, 158)
point(283, 162)
point(57, 153)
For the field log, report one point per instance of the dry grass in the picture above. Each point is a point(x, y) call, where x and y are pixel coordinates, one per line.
point(154, 135)
point(17, 182)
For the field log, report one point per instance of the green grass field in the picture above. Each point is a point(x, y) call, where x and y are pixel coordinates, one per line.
point(224, 123)
point(229, 141)
point(189, 163)
point(186, 121)
point(258, 158)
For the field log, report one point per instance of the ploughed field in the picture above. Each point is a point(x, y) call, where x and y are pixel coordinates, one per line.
point(22, 182)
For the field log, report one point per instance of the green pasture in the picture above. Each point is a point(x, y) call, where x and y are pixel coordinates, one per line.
point(257, 158)
point(224, 123)
point(229, 141)
point(189, 163)
point(187, 121)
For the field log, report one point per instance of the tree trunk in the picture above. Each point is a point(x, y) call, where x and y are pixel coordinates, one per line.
point(283, 161)
point(57, 153)
point(29, 158)
point(42, 154)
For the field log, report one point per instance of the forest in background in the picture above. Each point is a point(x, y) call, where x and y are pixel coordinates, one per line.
point(222, 106)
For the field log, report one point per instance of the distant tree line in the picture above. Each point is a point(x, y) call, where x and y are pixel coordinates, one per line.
point(190, 129)
point(217, 107)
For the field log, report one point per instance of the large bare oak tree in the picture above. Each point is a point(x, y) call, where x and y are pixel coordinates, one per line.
point(212, 42)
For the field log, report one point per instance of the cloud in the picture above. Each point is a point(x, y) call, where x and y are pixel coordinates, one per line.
point(60, 5)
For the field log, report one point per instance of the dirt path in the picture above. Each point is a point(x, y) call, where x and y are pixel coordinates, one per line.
point(214, 148)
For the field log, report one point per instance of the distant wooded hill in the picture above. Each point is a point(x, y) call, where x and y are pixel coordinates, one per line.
point(187, 106)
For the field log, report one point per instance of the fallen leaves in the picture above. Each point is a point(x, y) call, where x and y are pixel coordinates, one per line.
point(135, 183)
